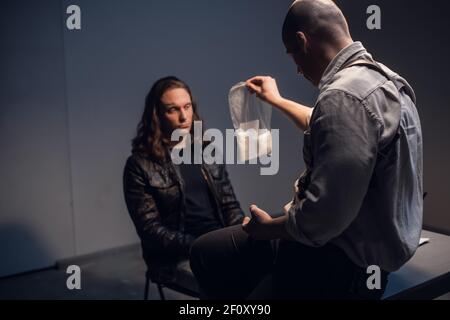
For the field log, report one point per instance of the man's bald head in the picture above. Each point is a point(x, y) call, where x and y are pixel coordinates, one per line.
point(314, 31)
point(318, 19)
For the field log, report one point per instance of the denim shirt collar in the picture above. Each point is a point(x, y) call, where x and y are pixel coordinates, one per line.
point(338, 61)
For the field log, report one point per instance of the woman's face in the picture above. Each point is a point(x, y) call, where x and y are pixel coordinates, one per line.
point(177, 110)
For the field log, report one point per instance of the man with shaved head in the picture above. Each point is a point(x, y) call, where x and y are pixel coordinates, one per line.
point(359, 202)
point(314, 31)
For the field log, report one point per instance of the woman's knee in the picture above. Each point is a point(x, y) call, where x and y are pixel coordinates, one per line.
point(202, 244)
point(211, 248)
point(199, 250)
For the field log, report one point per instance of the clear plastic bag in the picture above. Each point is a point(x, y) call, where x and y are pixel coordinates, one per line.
point(251, 119)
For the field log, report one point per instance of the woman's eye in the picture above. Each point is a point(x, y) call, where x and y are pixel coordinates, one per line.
point(171, 110)
point(186, 107)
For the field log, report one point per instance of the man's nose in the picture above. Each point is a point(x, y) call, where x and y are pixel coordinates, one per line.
point(183, 116)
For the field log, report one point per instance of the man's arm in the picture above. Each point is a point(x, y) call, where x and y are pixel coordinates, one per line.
point(266, 89)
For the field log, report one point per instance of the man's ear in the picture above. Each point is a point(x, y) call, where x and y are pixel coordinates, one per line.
point(302, 41)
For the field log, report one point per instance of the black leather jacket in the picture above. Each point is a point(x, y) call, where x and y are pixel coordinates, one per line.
point(154, 194)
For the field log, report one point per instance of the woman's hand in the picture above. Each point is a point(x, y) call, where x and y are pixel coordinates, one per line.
point(265, 88)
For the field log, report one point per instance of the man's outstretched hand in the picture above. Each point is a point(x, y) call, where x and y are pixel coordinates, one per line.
point(260, 226)
point(265, 88)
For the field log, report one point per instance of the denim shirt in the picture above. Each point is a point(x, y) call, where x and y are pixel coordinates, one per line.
point(362, 187)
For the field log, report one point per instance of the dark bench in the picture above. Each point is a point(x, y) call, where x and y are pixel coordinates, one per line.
point(426, 275)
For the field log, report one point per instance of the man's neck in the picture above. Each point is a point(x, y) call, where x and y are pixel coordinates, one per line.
point(333, 50)
point(330, 52)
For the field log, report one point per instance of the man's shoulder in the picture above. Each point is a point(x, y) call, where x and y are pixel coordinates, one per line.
point(357, 81)
point(348, 98)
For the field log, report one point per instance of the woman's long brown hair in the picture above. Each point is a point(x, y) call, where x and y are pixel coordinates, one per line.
point(150, 140)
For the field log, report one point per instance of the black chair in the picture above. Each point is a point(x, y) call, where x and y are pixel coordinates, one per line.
point(184, 283)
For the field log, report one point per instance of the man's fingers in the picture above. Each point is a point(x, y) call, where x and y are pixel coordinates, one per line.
point(254, 84)
point(253, 88)
point(258, 80)
point(255, 211)
point(246, 221)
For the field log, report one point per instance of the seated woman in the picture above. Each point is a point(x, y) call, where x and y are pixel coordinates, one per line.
point(171, 205)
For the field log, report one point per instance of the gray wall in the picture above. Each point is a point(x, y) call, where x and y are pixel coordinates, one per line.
point(35, 206)
point(71, 100)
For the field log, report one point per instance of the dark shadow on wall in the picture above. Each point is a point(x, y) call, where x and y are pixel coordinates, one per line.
point(22, 250)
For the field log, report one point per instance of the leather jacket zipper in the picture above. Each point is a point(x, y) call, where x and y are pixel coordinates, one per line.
point(180, 182)
point(214, 192)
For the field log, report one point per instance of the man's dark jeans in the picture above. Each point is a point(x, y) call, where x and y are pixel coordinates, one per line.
point(229, 264)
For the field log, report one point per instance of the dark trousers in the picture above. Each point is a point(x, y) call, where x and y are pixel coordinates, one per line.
point(229, 264)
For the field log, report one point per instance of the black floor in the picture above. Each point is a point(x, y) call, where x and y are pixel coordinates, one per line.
point(115, 274)
point(119, 274)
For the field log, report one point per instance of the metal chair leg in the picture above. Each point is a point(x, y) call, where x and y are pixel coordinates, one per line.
point(161, 293)
point(147, 280)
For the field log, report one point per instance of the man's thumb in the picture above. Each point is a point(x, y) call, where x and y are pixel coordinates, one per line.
point(255, 211)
